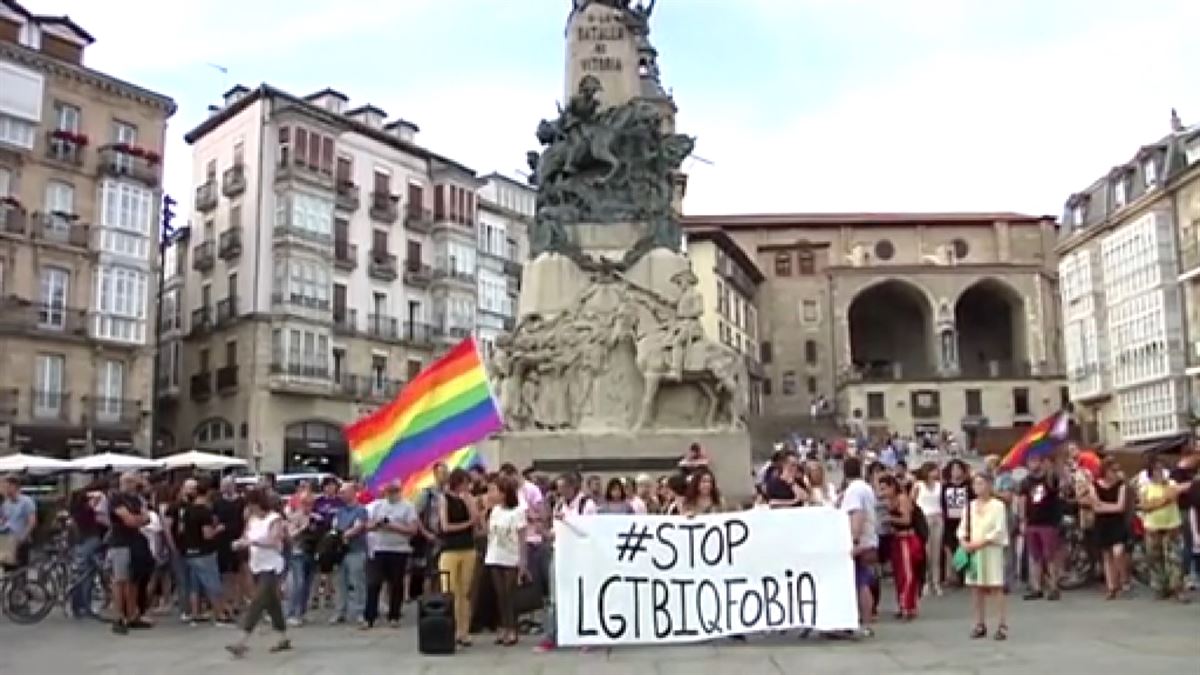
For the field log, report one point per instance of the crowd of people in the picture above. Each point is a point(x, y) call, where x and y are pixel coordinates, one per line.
point(216, 552)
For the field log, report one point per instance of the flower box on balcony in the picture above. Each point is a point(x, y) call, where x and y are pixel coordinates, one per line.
point(70, 136)
point(11, 201)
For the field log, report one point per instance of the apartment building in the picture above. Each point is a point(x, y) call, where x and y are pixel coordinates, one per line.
point(906, 323)
point(330, 258)
point(728, 280)
point(1123, 285)
point(506, 209)
point(80, 165)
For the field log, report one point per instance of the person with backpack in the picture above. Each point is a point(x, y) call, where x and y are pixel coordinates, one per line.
point(907, 551)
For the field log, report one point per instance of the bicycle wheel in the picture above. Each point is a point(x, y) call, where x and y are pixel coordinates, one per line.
point(27, 601)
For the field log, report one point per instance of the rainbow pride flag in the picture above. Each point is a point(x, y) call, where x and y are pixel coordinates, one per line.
point(1041, 440)
point(463, 458)
point(446, 408)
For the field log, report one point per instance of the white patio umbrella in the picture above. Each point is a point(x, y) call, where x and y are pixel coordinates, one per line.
point(22, 463)
point(113, 461)
point(194, 459)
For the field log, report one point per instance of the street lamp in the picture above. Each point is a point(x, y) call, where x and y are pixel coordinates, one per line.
point(168, 235)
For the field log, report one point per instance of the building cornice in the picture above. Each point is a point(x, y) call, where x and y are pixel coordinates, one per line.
point(34, 59)
point(1129, 213)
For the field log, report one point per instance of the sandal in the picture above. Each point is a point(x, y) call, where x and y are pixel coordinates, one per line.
point(979, 631)
point(1001, 633)
point(281, 646)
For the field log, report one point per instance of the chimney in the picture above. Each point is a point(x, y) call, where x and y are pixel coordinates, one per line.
point(404, 130)
point(330, 99)
point(1176, 123)
point(213, 110)
point(235, 93)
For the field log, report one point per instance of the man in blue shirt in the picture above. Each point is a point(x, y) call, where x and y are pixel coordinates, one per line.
point(18, 518)
point(350, 522)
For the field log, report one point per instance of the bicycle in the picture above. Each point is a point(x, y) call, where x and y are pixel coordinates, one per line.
point(53, 581)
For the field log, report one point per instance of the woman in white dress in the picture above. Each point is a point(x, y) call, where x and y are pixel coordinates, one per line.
point(927, 493)
point(983, 532)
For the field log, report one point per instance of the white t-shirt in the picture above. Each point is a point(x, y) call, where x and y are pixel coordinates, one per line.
point(860, 497)
point(263, 558)
point(929, 499)
point(153, 532)
point(400, 512)
point(504, 536)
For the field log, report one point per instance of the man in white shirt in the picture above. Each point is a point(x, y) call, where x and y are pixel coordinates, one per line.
point(858, 502)
point(572, 502)
point(392, 522)
point(531, 501)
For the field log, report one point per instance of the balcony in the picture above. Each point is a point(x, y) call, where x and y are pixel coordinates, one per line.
point(383, 327)
point(289, 171)
point(462, 277)
point(345, 321)
point(202, 386)
point(345, 255)
point(12, 219)
point(227, 311)
point(418, 219)
point(168, 388)
point(120, 160)
point(59, 228)
point(299, 378)
point(66, 146)
point(451, 333)
point(417, 274)
point(348, 196)
point(10, 402)
point(114, 412)
point(22, 316)
point(368, 388)
point(233, 180)
point(206, 195)
point(458, 224)
point(203, 258)
point(287, 234)
point(305, 302)
point(229, 245)
point(202, 323)
point(416, 334)
point(382, 266)
point(227, 379)
point(384, 207)
point(513, 268)
point(987, 370)
point(50, 406)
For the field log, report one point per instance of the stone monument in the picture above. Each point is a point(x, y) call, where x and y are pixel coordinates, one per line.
point(608, 362)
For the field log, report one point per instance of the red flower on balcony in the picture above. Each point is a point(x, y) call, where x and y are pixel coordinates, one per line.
point(153, 157)
point(63, 135)
point(122, 148)
point(81, 139)
point(136, 151)
point(10, 201)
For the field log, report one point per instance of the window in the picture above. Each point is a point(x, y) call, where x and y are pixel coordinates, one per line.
point(379, 373)
point(345, 171)
point(812, 386)
point(6, 182)
point(788, 383)
point(765, 352)
point(783, 264)
point(125, 206)
point(721, 309)
point(1020, 401)
point(54, 286)
point(875, 406)
point(124, 133)
point(884, 249)
point(974, 402)
point(1120, 189)
point(202, 360)
point(439, 202)
point(210, 170)
point(302, 282)
point(60, 207)
point(961, 248)
point(121, 298)
point(239, 152)
point(285, 147)
point(339, 360)
point(110, 390)
point(308, 215)
point(66, 117)
point(1078, 214)
point(30, 35)
point(413, 367)
point(231, 353)
point(379, 242)
point(304, 351)
point(383, 182)
point(806, 262)
point(1150, 169)
point(213, 431)
point(810, 352)
point(48, 392)
point(766, 387)
point(809, 312)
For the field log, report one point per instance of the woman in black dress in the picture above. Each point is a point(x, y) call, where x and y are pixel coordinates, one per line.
point(1109, 507)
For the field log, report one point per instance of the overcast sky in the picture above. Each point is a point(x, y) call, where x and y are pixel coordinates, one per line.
point(799, 105)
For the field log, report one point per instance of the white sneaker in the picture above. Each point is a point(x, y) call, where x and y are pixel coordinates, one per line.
point(295, 622)
point(185, 618)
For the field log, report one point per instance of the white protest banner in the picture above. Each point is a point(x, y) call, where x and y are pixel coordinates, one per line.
point(636, 579)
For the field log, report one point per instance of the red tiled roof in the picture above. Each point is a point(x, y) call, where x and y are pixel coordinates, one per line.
point(752, 220)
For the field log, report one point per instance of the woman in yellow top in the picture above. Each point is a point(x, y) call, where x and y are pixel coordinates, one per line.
point(983, 532)
point(1158, 500)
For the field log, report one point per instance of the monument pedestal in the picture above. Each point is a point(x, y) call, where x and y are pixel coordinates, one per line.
point(627, 454)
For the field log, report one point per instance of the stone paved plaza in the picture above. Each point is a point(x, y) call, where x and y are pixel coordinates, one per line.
point(1080, 634)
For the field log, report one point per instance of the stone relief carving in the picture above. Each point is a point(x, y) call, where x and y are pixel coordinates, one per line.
point(546, 373)
point(859, 256)
point(943, 254)
point(604, 166)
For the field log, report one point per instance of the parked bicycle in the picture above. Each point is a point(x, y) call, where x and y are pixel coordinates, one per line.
point(32, 595)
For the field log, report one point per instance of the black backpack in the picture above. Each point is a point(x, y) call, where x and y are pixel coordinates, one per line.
point(919, 524)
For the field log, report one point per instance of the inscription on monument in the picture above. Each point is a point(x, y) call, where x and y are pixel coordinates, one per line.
point(599, 31)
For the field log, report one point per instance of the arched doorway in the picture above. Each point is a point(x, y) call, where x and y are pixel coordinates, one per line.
point(890, 325)
point(990, 319)
point(315, 445)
